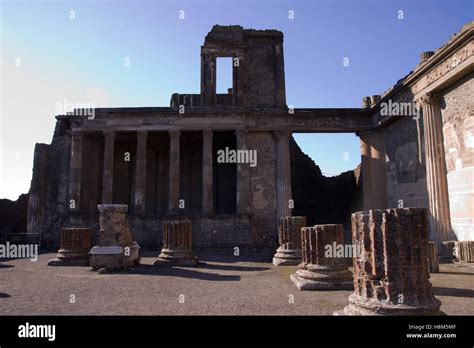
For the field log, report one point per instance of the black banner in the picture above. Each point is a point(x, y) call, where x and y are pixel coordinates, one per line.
point(260, 330)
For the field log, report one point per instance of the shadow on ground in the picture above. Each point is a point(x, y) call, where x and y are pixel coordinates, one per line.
point(183, 272)
point(440, 291)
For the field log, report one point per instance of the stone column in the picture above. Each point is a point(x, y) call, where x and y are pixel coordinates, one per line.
point(379, 175)
point(243, 176)
point(75, 170)
point(374, 180)
point(391, 277)
point(436, 178)
point(174, 176)
point(140, 172)
point(177, 244)
point(323, 268)
point(108, 176)
point(207, 193)
point(283, 173)
point(465, 252)
point(116, 248)
point(433, 262)
point(75, 245)
point(289, 239)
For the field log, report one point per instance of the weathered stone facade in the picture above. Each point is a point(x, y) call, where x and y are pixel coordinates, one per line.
point(162, 161)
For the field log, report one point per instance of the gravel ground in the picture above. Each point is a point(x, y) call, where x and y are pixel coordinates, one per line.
point(223, 286)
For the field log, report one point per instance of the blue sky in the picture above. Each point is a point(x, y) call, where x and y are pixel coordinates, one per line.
point(82, 59)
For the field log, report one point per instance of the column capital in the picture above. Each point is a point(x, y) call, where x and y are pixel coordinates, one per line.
point(428, 99)
point(174, 133)
point(282, 134)
point(142, 132)
point(109, 133)
point(207, 132)
point(77, 132)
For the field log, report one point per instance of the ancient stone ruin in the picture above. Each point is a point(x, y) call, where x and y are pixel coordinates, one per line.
point(320, 270)
point(177, 244)
point(289, 238)
point(161, 164)
point(392, 278)
point(116, 248)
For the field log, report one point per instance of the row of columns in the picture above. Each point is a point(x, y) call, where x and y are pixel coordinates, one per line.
point(243, 175)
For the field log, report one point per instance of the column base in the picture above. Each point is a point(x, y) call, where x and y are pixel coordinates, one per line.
point(113, 257)
point(375, 307)
point(287, 257)
point(177, 258)
point(335, 280)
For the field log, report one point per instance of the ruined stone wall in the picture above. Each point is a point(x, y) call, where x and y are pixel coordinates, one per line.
point(261, 82)
point(406, 173)
point(263, 190)
point(56, 208)
point(322, 200)
point(457, 109)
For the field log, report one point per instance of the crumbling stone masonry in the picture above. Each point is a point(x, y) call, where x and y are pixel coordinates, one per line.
point(289, 238)
point(409, 159)
point(319, 270)
point(392, 278)
point(116, 249)
point(465, 252)
point(75, 246)
point(177, 244)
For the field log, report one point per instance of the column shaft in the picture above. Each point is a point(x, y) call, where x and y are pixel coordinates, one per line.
point(207, 193)
point(439, 217)
point(108, 174)
point(243, 183)
point(283, 174)
point(75, 170)
point(174, 174)
point(140, 174)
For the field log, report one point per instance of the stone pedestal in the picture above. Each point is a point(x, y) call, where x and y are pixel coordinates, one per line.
point(75, 245)
point(289, 239)
point(392, 278)
point(116, 248)
point(433, 262)
point(177, 244)
point(465, 252)
point(321, 270)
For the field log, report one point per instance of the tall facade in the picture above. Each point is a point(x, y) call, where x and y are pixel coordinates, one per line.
point(164, 161)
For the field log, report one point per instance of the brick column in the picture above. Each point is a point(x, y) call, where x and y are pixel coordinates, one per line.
point(322, 268)
point(207, 193)
point(75, 246)
point(391, 277)
point(140, 172)
point(289, 240)
point(439, 215)
point(283, 173)
point(174, 174)
point(75, 170)
point(177, 244)
point(243, 183)
point(108, 175)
